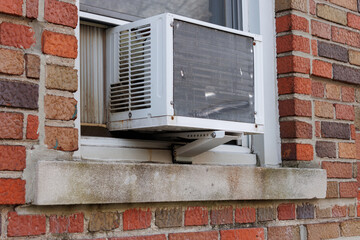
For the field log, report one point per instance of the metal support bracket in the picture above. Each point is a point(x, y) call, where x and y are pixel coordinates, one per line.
point(203, 143)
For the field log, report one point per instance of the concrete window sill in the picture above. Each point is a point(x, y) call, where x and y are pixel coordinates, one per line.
point(70, 182)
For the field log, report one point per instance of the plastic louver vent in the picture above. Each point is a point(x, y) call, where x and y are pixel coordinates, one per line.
point(133, 90)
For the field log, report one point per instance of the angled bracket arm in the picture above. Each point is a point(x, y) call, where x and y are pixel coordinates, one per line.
point(205, 141)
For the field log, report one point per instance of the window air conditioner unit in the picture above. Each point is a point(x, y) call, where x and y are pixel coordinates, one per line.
point(174, 73)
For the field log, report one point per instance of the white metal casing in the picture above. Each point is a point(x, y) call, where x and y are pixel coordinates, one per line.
point(160, 116)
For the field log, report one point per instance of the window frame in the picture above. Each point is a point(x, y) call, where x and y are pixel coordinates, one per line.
point(263, 145)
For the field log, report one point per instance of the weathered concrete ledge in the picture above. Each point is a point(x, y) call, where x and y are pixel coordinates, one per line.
point(69, 182)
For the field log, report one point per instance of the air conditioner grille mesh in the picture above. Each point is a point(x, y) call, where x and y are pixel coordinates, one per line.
point(133, 89)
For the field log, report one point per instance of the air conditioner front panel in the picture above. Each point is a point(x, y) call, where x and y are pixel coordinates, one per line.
point(213, 74)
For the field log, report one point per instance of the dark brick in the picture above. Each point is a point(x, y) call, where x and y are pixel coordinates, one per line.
point(21, 95)
point(346, 74)
point(305, 211)
point(104, 221)
point(325, 149)
point(335, 130)
point(333, 51)
point(266, 214)
point(359, 5)
point(168, 217)
point(221, 215)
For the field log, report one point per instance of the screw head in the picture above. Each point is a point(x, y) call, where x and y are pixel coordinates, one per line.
point(213, 135)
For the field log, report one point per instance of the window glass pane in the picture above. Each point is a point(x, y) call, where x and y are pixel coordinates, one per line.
point(225, 13)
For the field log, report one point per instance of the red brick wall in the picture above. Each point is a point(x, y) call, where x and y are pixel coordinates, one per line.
point(319, 104)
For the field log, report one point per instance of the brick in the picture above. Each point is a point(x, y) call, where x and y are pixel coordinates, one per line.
point(305, 211)
point(332, 190)
point(350, 4)
point(353, 21)
point(295, 129)
point(323, 212)
point(333, 91)
point(67, 224)
point(104, 221)
point(357, 118)
point(333, 51)
point(12, 158)
point(337, 169)
point(358, 147)
point(291, 22)
point(345, 36)
point(297, 151)
point(266, 214)
point(350, 228)
point(59, 44)
point(62, 78)
point(290, 64)
point(318, 129)
point(344, 112)
point(245, 233)
point(16, 35)
point(324, 109)
point(11, 125)
point(295, 107)
point(32, 127)
point(347, 94)
point(325, 149)
point(12, 191)
point(322, 231)
point(60, 108)
point(61, 13)
point(25, 225)
point(319, 29)
point(61, 138)
point(358, 95)
point(284, 233)
point(321, 69)
point(211, 235)
point(286, 211)
point(136, 219)
point(290, 85)
point(11, 62)
point(13, 7)
point(245, 215)
point(358, 5)
point(339, 211)
point(346, 74)
point(19, 94)
point(332, 14)
point(168, 217)
point(352, 210)
point(317, 89)
point(288, 43)
point(32, 8)
point(151, 237)
point(314, 47)
point(281, 5)
point(32, 66)
point(348, 189)
point(352, 132)
point(196, 216)
point(221, 215)
point(312, 7)
point(335, 130)
point(347, 150)
point(354, 57)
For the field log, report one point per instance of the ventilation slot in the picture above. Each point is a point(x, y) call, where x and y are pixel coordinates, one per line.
point(133, 91)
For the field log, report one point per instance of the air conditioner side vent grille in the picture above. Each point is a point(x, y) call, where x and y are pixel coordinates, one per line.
point(133, 89)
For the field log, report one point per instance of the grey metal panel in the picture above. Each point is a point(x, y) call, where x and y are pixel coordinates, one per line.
point(213, 74)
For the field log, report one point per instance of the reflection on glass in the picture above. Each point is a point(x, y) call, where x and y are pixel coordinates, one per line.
point(222, 12)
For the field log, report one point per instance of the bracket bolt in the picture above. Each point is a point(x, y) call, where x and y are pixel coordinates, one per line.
point(213, 135)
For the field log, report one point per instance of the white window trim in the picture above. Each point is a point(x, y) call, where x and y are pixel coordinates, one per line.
point(264, 145)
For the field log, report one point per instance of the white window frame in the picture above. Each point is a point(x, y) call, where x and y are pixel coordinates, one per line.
point(264, 145)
